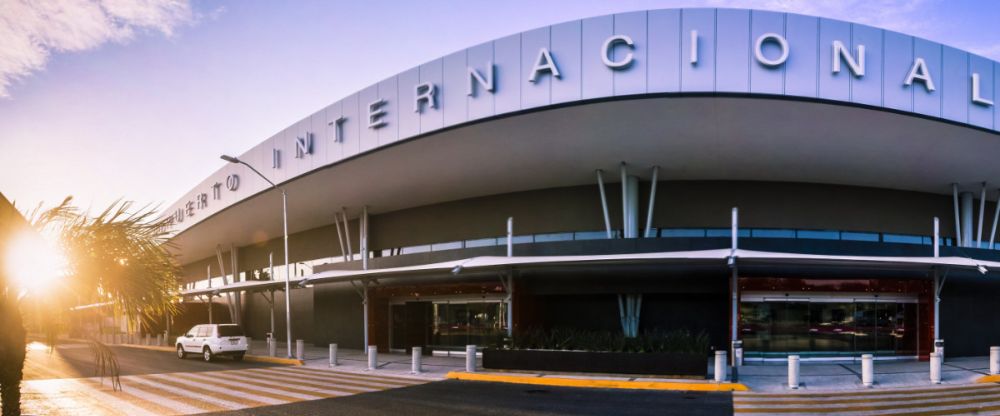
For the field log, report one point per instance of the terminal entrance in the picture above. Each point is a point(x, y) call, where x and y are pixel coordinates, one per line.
point(446, 324)
point(830, 325)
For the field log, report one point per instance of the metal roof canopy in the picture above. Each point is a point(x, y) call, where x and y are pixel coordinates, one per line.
point(487, 264)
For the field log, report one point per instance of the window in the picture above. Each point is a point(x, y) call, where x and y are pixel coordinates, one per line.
point(901, 238)
point(482, 242)
point(230, 331)
point(819, 235)
point(542, 238)
point(855, 236)
point(682, 232)
point(204, 331)
point(772, 233)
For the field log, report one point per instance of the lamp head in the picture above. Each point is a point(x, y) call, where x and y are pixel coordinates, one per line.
point(230, 159)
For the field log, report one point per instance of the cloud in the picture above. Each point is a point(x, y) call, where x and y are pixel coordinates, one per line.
point(32, 30)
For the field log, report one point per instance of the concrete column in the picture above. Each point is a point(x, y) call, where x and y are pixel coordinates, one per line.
point(333, 355)
point(935, 368)
point(272, 347)
point(415, 366)
point(793, 371)
point(249, 346)
point(631, 199)
point(867, 370)
point(300, 349)
point(372, 357)
point(721, 366)
point(994, 360)
point(470, 358)
point(966, 201)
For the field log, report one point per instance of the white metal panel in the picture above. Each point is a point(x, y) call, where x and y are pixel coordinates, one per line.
point(664, 54)
point(369, 136)
point(388, 90)
point(431, 118)
point(453, 91)
point(355, 121)
point(700, 76)
point(764, 79)
point(538, 93)
point(597, 78)
point(733, 56)
point(480, 57)
point(409, 120)
point(631, 80)
point(566, 38)
point(507, 55)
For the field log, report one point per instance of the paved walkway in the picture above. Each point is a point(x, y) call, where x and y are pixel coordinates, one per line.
point(847, 376)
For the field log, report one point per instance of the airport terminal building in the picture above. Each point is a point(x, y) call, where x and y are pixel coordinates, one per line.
point(802, 184)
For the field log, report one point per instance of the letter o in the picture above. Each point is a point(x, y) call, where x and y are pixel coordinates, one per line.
point(607, 47)
point(776, 38)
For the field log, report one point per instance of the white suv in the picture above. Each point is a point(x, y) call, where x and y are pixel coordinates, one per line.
point(210, 340)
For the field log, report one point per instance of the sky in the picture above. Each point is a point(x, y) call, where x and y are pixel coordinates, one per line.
point(136, 99)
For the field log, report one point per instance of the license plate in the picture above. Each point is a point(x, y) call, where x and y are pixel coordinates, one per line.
point(234, 341)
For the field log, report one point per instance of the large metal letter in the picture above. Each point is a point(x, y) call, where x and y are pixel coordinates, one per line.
point(475, 77)
point(609, 45)
point(759, 52)
point(841, 53)
point(303, 145)
point(544, 62)
point(424, 92)
point(375, 114)
point(919, 72)
point(694, 47)
point(977, 96)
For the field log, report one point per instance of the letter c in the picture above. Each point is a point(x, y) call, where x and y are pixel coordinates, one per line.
point(609, 45)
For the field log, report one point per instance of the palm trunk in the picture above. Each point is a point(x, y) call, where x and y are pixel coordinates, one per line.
point(12, 350)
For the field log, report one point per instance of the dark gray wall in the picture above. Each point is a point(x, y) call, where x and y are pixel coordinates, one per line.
point(257, 315)
point(970, 316)
point(338, 316)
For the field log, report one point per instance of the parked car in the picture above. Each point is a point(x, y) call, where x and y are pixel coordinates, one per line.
point(211, 340)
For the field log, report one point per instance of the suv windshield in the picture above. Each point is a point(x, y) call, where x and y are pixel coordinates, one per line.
point(230, 331)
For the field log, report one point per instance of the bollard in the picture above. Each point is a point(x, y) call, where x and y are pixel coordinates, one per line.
point(272, 347)
point(415, 367)
point(720, 366)
point(994, 360)
point(372, 358)
point(249, 346)
point(470, 358)
point(333, 355)
point(147, 339)
point(939, 348)
point(793, 371)
point(300, 349)
point(936, 368)
point(159, 340)
point(737, 360)
point(867, 370)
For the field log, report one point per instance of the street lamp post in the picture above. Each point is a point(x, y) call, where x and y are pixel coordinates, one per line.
point(288, 264)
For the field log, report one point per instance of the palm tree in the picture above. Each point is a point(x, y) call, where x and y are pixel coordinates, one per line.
point(11, 325)
point(119, 256)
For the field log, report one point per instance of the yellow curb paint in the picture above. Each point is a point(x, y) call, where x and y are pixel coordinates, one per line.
point(598, 383)
point(988, 379)
point(255, 358)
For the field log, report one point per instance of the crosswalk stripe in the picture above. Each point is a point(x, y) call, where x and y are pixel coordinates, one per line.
point(318, 386)
point(868, 408)
point(61, 395)
point(158, 403)
point(255, 388)
point(116, 399)
point(363, 378)
point(188, 392)
point(359, 386)
point(238, 396)
point(388, 379)
point(883, 399)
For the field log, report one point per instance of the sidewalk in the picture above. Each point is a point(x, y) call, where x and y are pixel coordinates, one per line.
point(356, 361)
point(847, 376)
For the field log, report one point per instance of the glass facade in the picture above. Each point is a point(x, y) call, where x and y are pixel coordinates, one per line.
point(447, 324)
point(828, 327)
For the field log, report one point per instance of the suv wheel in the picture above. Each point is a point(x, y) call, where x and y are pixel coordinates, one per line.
point(207, 354)
point(180, 352)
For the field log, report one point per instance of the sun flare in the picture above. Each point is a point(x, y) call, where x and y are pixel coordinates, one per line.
point(34, 263)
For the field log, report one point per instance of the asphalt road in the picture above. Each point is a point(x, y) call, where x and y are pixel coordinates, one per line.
point(479, 398)
point(73, 360)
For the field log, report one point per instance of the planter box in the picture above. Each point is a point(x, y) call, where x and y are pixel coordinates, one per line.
point(652, 363)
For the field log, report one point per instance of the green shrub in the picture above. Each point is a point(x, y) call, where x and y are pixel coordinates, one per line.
point(568, 339)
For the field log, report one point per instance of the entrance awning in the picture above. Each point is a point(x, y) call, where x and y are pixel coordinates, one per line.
point(495, 263)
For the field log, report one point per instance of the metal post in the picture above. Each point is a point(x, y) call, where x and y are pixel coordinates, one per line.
point(966, 202)
point(333, 355)
point(993, 231)
point(604, 202)
point(867, 370)
point(982, 210)
point(300, 349)
point(470, 358)
point(624, 178)
point(652, 200)
point(937, 237)
point(364, 237)
point(734, 279)
point(210, 309)
point(415, 367)
point(288, 275)
point(347, 233)
point(340, 236)
point(272, 347)
point(937, 303)
point(510, 236)
point(364, 305)
point(958, 223)
point(632, 215)
point(372, 358)
point(510, 305)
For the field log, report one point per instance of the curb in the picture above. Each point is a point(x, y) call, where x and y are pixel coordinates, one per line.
point(595, 383)
point(254, 358)
point(989, 379)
